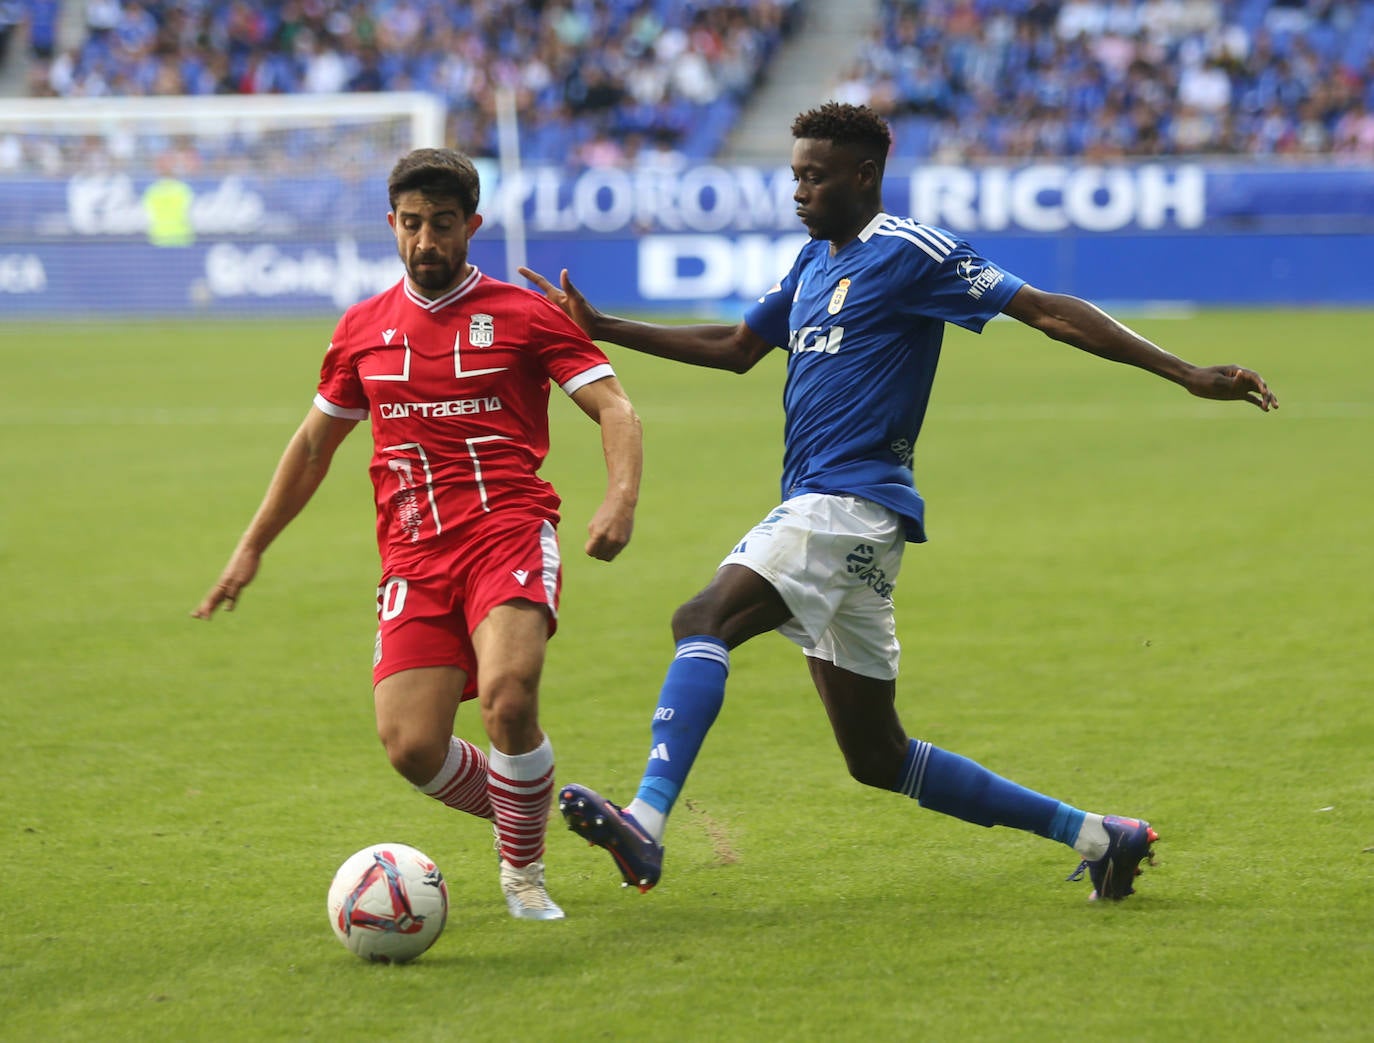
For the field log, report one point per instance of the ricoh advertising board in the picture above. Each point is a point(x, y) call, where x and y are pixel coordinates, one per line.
point(706, 238)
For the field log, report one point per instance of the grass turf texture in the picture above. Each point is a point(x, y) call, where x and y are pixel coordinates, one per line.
point(1133, 600)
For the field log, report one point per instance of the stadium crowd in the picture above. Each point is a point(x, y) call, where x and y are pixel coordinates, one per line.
point(602, 82)
point(965, 80)
point(593, 80)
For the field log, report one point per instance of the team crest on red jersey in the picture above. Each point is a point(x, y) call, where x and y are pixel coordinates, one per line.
point(481, 331)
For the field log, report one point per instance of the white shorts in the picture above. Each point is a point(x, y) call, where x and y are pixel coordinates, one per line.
point(834, 560)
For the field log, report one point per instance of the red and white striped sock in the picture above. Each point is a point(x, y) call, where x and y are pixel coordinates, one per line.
point(520, 788)
point(462, 781)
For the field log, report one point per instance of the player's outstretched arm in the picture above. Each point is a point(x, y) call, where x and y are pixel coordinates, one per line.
point(1087, 327)
point(622, 442)
point(302, 467)
point(714, 345)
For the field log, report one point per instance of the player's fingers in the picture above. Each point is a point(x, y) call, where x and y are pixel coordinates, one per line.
point(226, 595)
point(604, 548)
point(1258, 391)
point(535, 278)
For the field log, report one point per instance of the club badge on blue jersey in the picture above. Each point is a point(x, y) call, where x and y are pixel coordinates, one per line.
point(837, 298)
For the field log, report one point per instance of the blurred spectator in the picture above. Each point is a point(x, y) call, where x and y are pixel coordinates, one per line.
point(12, 15)
point(1354, 132)
point(42, 15)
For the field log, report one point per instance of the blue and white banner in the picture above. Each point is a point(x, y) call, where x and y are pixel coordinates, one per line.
point(707, 237)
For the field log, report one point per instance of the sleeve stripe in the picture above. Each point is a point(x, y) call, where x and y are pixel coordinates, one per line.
point(920, 244)
point(935, 236)
point(588, 376)
point(325, 406)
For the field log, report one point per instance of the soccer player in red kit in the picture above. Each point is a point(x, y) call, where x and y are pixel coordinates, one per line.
point(452, 369)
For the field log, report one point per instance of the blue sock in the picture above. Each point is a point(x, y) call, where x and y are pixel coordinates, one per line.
point(954, 785)
point(688, 703)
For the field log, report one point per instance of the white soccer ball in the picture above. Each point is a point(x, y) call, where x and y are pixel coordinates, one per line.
point(388, 903)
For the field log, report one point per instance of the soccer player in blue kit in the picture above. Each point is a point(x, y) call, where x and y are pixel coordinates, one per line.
point(861, 314)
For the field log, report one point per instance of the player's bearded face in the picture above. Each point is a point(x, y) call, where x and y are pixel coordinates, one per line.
point(432, 240)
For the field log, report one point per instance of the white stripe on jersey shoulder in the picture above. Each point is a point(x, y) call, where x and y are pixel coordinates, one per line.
point(930, 241)
point(588, 376)
point(325, 406)
point(461, 290)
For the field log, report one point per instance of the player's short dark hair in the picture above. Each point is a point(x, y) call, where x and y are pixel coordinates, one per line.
point(856, 126)
point(437, 173)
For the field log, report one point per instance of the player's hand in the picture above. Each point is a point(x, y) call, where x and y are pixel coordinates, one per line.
point(1229, 383)
point(609, 531)
point(567, 296)
point(242, 567)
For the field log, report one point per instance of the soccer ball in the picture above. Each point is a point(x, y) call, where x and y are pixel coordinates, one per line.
point(388, 903)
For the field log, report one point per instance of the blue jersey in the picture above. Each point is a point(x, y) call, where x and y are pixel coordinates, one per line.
point(863, 329)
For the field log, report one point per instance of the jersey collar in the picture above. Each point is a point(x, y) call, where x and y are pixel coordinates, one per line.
point(872, 226)
point(439, 303)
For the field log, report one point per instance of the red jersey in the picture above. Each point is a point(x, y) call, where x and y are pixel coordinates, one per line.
point(457, 390)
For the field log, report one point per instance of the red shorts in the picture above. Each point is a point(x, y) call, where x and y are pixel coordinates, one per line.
point(427, 610)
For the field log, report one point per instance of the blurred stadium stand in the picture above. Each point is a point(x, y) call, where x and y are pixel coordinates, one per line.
point(965, 80)
point(596, 81)
point(615, 82)
point(807, 67)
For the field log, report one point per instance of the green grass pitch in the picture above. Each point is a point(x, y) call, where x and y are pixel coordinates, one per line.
point(1132, 600)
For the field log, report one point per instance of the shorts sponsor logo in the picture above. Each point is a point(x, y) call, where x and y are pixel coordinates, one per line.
point(763, 528)
point(860, 563)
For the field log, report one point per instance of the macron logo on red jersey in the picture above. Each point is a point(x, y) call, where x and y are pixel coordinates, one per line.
point(402, 376)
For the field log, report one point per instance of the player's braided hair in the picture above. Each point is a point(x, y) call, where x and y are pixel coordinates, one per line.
point(441, 173)
point(857, 126)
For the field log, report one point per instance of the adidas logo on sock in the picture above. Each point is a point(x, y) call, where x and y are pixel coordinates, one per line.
point(659, 752)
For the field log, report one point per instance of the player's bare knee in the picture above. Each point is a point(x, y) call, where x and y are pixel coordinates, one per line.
point(506, 716)
point(872, 768)
point(694, 618)
point(510, 715)
point(417, 758)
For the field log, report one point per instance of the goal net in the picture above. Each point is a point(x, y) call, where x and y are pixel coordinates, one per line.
point(231, 202)
point(352, 134)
